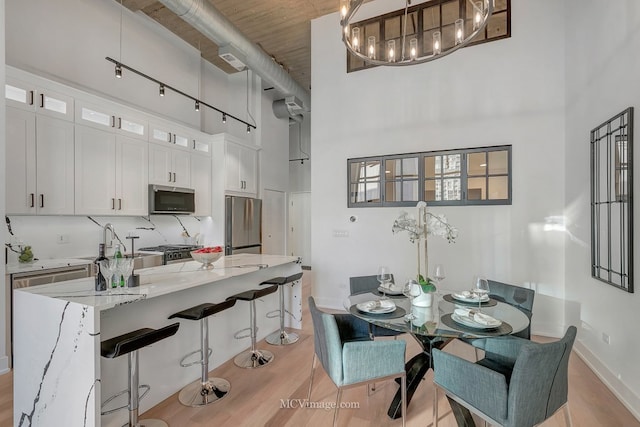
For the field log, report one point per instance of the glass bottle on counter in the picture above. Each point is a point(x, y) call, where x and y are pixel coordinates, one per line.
point(101, 282)
point(118, 281)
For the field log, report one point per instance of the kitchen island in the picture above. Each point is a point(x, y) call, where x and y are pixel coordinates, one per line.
point(60, 377)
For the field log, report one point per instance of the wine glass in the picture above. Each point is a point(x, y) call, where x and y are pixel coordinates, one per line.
point(411, 290)
point(107, 269)
point(384, 277)
point(438, 273)
point(481, 289)
point(125, 268)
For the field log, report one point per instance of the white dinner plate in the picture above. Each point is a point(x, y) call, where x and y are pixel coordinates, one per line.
point(464, 297)
point(470, 323)
point(377, 307)
point(390, 291)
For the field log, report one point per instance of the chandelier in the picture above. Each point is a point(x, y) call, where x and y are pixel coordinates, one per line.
point(368, 52)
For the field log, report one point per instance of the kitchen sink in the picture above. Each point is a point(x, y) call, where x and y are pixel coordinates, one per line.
point(140, 260)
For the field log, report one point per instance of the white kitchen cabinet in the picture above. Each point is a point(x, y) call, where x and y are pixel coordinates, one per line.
point(239, 162)
point(39, 170)
point(109, 116)
point(169, 166)
point(169, 133)
point(201, 182)
point(30, 97)
point(111, 173)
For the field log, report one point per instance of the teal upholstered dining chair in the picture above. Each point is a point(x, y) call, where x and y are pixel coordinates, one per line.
point(519, 383)
point(519, 297)
point(350, 359)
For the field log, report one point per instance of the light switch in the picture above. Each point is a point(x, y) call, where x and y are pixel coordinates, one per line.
point(340, 233)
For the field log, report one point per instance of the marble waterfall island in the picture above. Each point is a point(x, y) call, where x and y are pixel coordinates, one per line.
point(60, 377)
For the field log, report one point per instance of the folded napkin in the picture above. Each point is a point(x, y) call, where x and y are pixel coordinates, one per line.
point(478, 317)
point(469, 295)
point(375, 305)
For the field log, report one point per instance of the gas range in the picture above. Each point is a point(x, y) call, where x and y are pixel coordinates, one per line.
point(173, 253)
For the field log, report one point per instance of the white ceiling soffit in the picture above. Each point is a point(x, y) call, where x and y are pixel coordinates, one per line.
point(204, 17)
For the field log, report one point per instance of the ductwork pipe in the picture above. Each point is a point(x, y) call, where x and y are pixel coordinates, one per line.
point(204, 17)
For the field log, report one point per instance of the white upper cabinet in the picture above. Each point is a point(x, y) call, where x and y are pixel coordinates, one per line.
point(201, 183)
point(239, 161)
point(169, 166)
point(39, 175)
point(34, 98)
point(110, 116)
point(110, 173)
point(169, 133)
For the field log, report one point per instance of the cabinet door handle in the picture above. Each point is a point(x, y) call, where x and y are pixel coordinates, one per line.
point(113, 204)
point(33, 200)
point(119, 122)
point(113, 121)
point(42, 200)
point(119, 204)
point(174, 138)
point(31, 96)
point(169, 137)
point(42, 100)
point(174, 177)
point(169, 176)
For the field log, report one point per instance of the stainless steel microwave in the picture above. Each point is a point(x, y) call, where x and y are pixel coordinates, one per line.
point(171, 200)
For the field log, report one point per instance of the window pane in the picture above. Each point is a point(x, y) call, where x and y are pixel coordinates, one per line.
point(15, 94)
point(430, 190)
point(373, 192)
point(476, 164)
point(136, 128)
point(451, 189)
point(410, 191)
point(392, 168)
point(498, 162)
point(476, 189)
point(430, 166)
point(391, 191)
point(451, 165)
point(96, 117)
point(372, 170)
point(54, 104)
point(498, 188)
point(410, 167)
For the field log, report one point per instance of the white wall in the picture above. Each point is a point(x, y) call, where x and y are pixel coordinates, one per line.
point(300, 148)
point(601, 81)
point(496, 93)
point(4, 360)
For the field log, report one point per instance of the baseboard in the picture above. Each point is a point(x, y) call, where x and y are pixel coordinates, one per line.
point(547, 329)
point(4, 365)
point(330, 303)
point(624, 394)
point(306, 267)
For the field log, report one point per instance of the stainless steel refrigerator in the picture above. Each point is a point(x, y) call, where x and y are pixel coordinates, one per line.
point(243, 225)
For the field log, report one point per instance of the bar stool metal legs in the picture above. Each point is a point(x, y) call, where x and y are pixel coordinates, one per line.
point(206, 389)
point(253, 358)
point(281, 336)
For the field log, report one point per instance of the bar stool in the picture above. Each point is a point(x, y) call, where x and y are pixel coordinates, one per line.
point(252, 358)
point(281, 337)
point(207, 389)
point(130, 343)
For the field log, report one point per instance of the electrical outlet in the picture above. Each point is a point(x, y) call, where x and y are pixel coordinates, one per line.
point(340, 233)
point(606, 338)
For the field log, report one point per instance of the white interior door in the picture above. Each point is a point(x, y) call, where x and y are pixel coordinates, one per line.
point(274, 222)
point(300, 226)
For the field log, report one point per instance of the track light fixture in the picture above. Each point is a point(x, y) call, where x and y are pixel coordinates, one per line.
point(163, 87)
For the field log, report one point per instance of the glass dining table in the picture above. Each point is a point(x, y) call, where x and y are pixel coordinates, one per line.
point(432, 327)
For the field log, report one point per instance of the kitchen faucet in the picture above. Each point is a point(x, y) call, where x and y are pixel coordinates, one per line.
point(109, 227)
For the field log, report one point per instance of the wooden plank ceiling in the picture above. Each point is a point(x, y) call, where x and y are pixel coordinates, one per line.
point(281, 28)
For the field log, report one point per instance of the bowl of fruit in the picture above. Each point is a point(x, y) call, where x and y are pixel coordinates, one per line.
point(208, 255)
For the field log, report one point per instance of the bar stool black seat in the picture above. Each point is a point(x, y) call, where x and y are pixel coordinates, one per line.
point(253, 358)
point(207, 389)
point(281, 337)
point(130, 343)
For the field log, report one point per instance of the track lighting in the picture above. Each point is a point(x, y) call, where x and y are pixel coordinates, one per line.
point(163, 87)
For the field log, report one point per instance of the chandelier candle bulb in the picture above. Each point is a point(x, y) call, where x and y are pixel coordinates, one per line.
point(478, 11)
point(371, 43)
point(355, 38)
point(437, 43)
point(413, 49)
point(391, 51)
point(459, 26)
point(344, 8)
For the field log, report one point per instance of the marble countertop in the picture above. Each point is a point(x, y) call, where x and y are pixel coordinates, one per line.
point(44, 264)
point(157, 281)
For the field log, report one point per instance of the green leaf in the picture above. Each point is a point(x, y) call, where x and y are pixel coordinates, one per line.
point(427, 284)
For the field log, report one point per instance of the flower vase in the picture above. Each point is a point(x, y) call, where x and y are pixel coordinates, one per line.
point(425, 299)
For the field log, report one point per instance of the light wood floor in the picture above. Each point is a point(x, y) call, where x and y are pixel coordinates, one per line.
point(256, 395)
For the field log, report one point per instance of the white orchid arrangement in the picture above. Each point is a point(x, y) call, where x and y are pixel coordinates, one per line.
point(427, 224)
